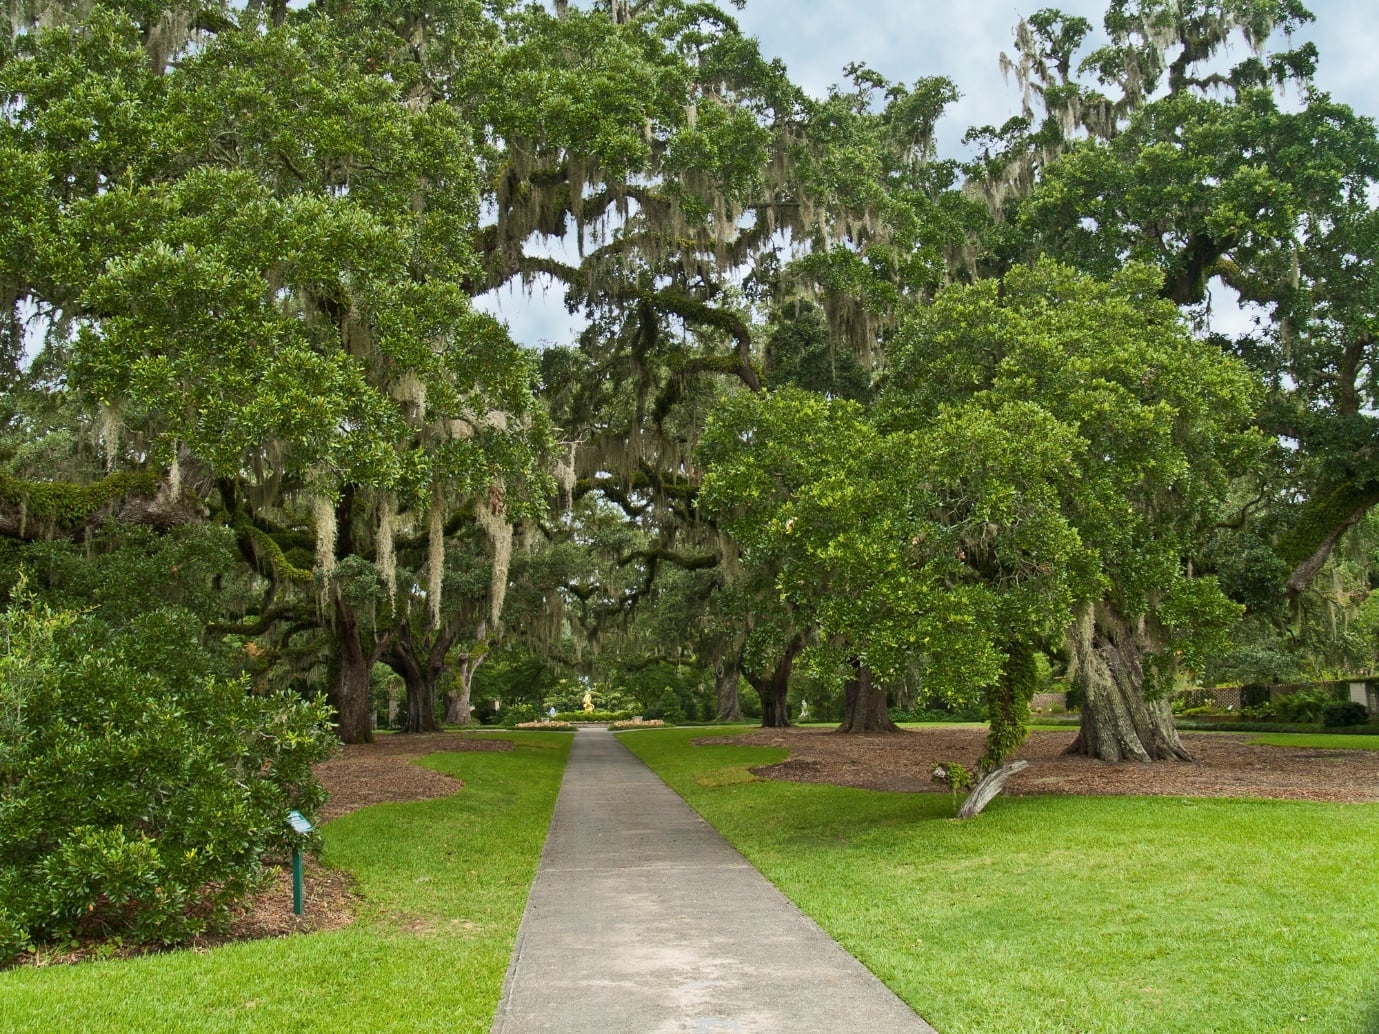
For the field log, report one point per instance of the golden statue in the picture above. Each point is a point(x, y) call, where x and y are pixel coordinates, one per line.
point(588, 701)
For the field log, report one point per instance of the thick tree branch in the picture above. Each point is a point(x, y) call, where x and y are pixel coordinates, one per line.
point(32, 510)
point(680, 302)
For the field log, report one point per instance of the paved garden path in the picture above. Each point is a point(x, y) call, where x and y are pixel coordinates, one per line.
point(643, 920)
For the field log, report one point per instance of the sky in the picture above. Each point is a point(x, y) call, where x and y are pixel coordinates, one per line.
point(907, 39)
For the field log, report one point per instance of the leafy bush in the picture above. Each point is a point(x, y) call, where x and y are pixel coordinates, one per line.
point(930, 714)
point(515, 714)
point(1303, 707)
point(1340, 713)
point(14, 938)
point(139, 793)
point(1199, 711)
point(667, 707)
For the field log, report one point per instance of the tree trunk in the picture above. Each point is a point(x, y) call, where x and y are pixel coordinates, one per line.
point(726, 677)
point(350, 693)
point(419, 678)
point(421, 669)
point(774, 689)
point(421, 704)
point(457, 705)
point(987, 788)
point(1118, 723)
point(864, 704)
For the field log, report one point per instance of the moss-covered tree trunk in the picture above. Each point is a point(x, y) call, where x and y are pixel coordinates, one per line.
point(864, 703)
point(458, 709)
point(1008, 706)
point(1118, 723)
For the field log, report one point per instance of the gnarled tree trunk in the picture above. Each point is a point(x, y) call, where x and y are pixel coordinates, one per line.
point(421, 666)
point(988, 787)
point(1118, 723)
point(774, 688)
point(419, 678)
point(726, 676)
point(864, 703)
point(457, 705)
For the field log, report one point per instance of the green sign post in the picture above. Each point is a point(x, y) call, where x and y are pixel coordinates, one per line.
point(302, 827)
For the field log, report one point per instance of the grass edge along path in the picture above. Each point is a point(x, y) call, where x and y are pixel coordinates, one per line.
point(444, 885)
point(1063, 914)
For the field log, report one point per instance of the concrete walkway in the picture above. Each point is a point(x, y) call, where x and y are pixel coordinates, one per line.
point(643, 920)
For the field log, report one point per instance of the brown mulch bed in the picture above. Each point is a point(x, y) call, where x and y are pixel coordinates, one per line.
point(382, 772)
point(1226, 765)
point(359, 775)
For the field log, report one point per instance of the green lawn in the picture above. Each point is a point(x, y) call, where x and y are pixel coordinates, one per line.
point(444, 881)
point(1067, 914)
point(1325, 741)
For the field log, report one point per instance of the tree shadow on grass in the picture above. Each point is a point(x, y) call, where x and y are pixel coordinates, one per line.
point(1370, 1022)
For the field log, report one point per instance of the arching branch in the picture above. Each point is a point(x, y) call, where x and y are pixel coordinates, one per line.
point(32, 510)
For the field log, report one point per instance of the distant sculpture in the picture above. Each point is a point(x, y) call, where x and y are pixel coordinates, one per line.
point(588, 701)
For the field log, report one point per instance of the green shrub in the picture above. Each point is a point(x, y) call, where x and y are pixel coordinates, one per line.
point(140, 792)
point(1340, 713)
point(932, 714)
point(13, 937)
point(1197, 712)
point(515, 714)
point(1303, 707)
point(667, 708)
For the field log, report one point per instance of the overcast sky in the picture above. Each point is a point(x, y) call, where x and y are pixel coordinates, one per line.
point(907, 39)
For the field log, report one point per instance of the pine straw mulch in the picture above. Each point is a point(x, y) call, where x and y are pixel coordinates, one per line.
point(359, 775)
point(1226, 765)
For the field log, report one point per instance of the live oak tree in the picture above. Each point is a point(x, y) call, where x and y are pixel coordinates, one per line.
point(1047, 457)
point(940, 540)
point(267, 296)
point(1162, 425)
point(250, 239)
point(1230, 174)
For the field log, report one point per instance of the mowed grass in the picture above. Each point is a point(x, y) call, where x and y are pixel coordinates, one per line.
point(1068, 914)
point(444, 884)
point(1323, 741)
